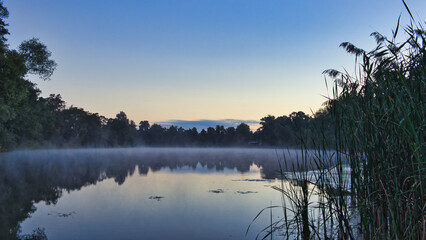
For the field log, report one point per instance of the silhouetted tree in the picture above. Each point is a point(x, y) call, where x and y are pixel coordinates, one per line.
point(155, 135)
point(231, 136)
point(121, 130)
point(243, 133)
point(37, 58)
point(19, 104)
point(192, 136)
point(268, 130)
point(28, 120)
point(3, 30)
point(203, 137)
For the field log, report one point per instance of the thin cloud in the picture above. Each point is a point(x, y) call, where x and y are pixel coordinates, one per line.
point(204, 123)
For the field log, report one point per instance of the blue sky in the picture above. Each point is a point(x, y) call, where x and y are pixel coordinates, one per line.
point(199, 59)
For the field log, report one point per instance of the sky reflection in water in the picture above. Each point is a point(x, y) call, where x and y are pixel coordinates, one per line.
point(143, 193)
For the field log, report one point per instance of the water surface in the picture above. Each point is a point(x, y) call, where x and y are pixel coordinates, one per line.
point(138, 193)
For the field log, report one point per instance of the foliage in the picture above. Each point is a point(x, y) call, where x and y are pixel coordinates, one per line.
point(30, 121)
point(372, 184)
point(37, 58)
point(383, 127)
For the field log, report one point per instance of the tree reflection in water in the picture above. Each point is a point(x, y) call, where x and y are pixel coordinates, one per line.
point(28, 177)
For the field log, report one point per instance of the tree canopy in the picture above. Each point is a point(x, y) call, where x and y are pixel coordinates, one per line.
point(28, 120)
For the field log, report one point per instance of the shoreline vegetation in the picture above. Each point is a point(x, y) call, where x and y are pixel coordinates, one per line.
point(372, 185)
point(29, 121)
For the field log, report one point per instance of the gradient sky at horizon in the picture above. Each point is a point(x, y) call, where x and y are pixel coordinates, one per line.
point(199, 59)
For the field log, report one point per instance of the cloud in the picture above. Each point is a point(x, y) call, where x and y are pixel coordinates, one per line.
point(204, 123)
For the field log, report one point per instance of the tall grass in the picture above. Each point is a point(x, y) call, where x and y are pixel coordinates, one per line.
point(380, 115)
point(379, 123)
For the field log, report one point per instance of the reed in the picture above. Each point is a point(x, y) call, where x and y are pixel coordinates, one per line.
point(372, 184)
point(381, 111)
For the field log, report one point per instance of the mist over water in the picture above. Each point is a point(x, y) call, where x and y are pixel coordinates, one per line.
point(133, 193)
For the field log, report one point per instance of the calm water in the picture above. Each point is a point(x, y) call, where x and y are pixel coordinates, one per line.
point(138, 193)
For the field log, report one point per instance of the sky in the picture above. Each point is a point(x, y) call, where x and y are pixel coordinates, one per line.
point(182, 61)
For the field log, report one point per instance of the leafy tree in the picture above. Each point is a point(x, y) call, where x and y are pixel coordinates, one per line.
point(3, 30)
point(219, 135)
point(300, 121)
point(156, 135)
point(231, 136)
point(121, 130)
point(203, 139)
point(268, 130)
point(19, 101)
point(243, 133)
point(37, 58)
point(192, 136)
point(143, 131)
point(144, 126)
point(211, 136)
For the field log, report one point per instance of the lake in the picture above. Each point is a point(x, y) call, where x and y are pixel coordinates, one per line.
point(139, 193)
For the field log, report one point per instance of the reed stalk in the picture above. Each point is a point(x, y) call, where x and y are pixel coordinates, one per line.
point(367, 179)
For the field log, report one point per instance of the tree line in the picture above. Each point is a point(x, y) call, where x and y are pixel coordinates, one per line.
point(28, 120)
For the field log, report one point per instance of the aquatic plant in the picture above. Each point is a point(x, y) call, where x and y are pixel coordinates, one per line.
point(372, 186)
